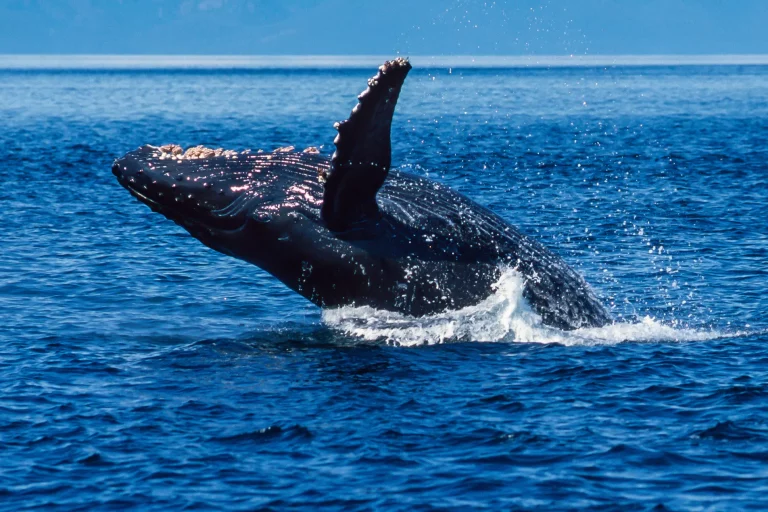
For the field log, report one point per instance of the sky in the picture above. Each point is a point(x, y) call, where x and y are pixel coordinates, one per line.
point(384, 27)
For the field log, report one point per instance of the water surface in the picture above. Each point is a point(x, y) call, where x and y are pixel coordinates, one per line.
point(141, 369)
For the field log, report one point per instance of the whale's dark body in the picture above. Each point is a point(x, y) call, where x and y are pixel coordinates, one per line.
point(347, 230)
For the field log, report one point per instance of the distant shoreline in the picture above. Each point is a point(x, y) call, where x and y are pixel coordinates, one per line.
point(267, 62)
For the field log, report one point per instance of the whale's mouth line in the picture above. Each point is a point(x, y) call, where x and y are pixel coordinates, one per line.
point(144, 199)
point(153, 204)
point(188, 222)
point(138, 195)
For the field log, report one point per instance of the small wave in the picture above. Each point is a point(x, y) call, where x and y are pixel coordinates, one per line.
point(504, 316)
point(270, 433)
point(730, 431)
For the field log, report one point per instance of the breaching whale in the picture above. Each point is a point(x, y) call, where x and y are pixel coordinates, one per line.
point(349, 230)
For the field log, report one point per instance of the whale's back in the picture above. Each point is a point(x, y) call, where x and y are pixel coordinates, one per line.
point(558, 293)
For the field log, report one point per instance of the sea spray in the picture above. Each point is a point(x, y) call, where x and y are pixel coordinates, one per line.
point(504, 316)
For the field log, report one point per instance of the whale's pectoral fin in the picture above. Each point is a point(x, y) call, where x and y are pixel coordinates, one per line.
point(363, 151)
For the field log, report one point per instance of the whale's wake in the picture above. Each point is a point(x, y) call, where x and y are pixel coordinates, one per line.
point(504, 316)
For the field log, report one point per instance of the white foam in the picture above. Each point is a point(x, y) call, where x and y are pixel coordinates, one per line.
point(504, 316)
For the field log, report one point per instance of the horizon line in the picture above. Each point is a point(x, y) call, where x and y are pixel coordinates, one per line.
point(266, 62)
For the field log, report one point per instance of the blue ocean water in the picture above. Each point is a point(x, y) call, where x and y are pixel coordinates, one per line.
point(139, 369)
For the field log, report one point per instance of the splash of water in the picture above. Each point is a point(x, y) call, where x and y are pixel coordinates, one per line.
point(503, 316)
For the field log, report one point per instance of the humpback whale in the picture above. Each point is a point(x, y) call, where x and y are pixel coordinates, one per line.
point(350, 230)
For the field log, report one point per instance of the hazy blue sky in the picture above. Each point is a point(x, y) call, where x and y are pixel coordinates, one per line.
point(433, 27)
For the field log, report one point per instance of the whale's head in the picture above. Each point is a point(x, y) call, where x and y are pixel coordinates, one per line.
point(212, 193)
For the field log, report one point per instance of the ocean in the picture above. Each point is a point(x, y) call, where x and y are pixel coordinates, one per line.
point(140, 369)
